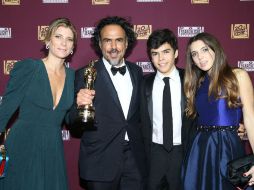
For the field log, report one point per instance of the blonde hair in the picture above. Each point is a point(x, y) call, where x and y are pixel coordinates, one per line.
point(55, 24)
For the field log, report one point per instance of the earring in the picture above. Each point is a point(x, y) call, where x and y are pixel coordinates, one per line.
point(71, 52)
point(47, 46)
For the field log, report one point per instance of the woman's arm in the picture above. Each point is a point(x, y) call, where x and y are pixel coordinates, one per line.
point(247, 99)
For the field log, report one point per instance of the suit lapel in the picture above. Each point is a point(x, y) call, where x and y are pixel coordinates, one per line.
point(135, 90)
point(106, 80)
point(148, 92)
point(181, 74)
point(183, 105)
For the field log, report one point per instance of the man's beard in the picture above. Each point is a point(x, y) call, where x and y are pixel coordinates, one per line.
point(116, 61)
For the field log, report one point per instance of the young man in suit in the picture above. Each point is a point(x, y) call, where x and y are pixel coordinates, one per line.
point(112, 156)
point(165, 128)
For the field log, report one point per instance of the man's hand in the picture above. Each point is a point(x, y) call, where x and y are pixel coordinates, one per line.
point(85, 97)
point(242, 132)
point(2, 147)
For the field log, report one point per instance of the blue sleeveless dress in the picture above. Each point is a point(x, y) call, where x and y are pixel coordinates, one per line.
point(205, 164)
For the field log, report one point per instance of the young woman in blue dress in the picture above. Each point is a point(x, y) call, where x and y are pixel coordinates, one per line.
point(218, 96)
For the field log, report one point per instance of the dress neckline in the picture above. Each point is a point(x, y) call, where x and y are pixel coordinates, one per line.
point(54, 106)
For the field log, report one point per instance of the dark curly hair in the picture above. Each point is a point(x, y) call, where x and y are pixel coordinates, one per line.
point(122, 22)
point(160, 37)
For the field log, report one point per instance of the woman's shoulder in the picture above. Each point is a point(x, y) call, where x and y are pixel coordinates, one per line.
point(25, 66)
point(70, 72)
point(29, 62)
point(239, 72)
point(241, 75)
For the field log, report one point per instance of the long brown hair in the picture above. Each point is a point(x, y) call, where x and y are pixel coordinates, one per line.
point(221, 76)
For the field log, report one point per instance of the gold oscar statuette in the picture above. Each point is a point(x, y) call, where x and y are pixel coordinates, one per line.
point(86, 113)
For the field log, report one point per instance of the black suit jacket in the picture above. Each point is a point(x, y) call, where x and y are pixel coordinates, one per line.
point(188, 125)
point(101, 150)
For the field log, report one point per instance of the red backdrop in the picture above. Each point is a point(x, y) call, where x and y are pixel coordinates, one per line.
point(22, 21)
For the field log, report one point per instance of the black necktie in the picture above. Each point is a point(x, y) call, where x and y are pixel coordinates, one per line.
point(167, 116)
point(121, 70)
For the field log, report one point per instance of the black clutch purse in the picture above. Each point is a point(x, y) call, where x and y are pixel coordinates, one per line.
point(236, 168)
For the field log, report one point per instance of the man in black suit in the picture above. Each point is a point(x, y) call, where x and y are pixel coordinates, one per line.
point(112, 156)
point(165, 128)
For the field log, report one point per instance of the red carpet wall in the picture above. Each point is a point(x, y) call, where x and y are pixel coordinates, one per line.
point(23, 24)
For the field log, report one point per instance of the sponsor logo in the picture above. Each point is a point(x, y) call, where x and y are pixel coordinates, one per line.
point(42, 31)
point(146, 67)
point(240, 31)
point(246, 65)
point(148, 1)
point(5, 32)
point(200, 1)
point(87, 32)
point(55, 1)
point(143, 31)
point(100, 2)
point(10, 2)
point(67, 64)
point(189, 31)
point(8, 65)
point(65, 135)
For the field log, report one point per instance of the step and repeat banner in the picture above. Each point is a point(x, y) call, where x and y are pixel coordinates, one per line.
point(23, 24)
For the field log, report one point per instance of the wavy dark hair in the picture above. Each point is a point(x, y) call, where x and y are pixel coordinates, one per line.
point(223, 82)
point(115, 20)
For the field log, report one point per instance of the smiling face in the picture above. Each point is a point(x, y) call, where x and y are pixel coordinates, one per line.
point(163, 58)
point(61, 42)
point(113, 44)
point(202, 55)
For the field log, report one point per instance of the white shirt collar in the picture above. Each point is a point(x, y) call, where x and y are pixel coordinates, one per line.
point(108, 65)
point(174, 74)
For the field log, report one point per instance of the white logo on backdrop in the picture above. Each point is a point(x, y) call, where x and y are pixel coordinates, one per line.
point(55, 1)
point(5, 32)
point(146, 67)
point(189, 31)
point(246, 65)
point(65, 135)
point(87, 32)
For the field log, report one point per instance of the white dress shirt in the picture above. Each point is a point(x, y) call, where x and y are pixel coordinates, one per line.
point(157, 97)
point(123, 86)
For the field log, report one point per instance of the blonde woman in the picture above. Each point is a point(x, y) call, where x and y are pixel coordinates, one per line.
point(43, 91)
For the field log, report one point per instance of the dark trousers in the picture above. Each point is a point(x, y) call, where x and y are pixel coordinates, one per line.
point(165, 168)
point(128, 177)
